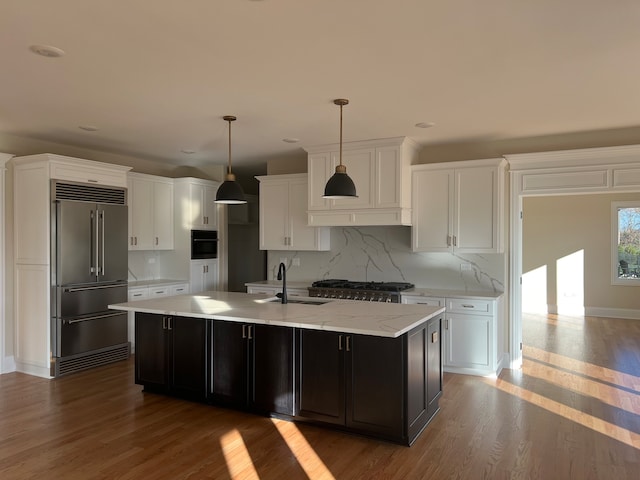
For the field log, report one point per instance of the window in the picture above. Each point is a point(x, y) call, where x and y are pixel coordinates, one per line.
point(625, 258)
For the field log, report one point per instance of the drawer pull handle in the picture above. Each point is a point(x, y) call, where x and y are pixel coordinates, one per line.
point(467, 306)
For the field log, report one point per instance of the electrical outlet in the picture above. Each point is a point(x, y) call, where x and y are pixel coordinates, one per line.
point(295, 262)
point(152, 260)
point(465, 267)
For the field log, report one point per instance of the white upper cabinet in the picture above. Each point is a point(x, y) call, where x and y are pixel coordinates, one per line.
point(459, 206)
point(381, 172)
point(197, 203)
point(150, 212)
point(283, 215)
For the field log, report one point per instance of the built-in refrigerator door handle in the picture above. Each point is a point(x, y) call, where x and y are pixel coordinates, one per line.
point(94, 247)
point(101, 270)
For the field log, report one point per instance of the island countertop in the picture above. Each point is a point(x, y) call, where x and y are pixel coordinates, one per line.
point(345, 316)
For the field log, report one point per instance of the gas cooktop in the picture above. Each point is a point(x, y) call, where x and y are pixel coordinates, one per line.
point(362, 285)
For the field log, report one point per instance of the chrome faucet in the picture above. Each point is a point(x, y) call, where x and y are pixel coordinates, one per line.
point(282, 275)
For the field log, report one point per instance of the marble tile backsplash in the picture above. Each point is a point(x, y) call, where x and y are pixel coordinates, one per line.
point(384, 254)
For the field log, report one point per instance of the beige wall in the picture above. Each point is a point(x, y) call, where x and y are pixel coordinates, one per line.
point(554, 227)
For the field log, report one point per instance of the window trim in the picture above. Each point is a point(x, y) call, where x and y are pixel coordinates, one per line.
point(615, 280)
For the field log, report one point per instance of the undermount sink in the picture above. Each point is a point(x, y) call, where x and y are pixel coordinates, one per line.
point(299, 301)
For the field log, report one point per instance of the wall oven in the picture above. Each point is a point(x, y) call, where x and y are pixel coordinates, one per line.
point(204, 244)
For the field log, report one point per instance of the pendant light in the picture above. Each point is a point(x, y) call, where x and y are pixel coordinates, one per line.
point(230, 192)
point(340, 185)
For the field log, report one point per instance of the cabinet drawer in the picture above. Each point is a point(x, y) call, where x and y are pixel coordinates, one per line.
point(179, 289)
point(478, 307)
point(419, 300)
point(138, 294)
point(158, 292)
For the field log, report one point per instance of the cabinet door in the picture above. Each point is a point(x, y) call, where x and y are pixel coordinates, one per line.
point(321, 376)
point(361, 168)
point(141, 214)
point(388, 177)
point(375, 384)
point(188, 353)
point(467, 340)
point(476, 211)
point(274, 215)
point(163, 216)
point(210, 281)
point(319, 169)
point(196, 192)
point(301, 236)
point(230, 380)
point(197, 276)
point(204, 275)
point(210, 207)
point(151, 350)
point(432, 199)
point(273, 371)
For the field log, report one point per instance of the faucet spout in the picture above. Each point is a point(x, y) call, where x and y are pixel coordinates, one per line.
point(282, 275)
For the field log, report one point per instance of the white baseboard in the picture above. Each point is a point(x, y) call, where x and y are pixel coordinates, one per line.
point(8, 364)
point(33, 370)
point(613, 312)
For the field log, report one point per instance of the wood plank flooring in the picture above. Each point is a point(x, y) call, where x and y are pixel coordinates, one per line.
point(572, 412)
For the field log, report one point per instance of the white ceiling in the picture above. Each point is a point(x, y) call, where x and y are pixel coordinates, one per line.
point(157, 76)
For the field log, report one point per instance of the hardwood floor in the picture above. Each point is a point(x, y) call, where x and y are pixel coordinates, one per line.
point(572, 412)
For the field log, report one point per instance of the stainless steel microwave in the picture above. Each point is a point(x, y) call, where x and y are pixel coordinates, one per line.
point(204, 244)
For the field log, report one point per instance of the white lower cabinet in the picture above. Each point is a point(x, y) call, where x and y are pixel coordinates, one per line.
point(472, 331)
point(204, 275)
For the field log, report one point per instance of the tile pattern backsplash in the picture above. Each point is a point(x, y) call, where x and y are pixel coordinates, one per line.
point(384, 254)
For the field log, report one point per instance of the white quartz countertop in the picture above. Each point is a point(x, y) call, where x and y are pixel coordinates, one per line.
point(345, 316)
point(415, 292)
point(434, 292)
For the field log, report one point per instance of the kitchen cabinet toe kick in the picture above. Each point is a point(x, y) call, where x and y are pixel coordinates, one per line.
point(381, 387)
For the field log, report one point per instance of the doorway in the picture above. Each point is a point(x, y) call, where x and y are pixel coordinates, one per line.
point(573, 172)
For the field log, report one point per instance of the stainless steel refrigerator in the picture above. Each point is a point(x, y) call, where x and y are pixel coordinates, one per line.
point(89, 272)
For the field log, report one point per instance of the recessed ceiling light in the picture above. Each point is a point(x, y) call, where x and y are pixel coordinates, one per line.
point(425, 124)
point(188, 151)
point(291, 140)
point(88, 128)
point(47, 51)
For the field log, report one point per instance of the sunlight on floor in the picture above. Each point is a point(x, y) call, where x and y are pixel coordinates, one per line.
point(237, 456)
point(613, 431)
point(611, 394)
point(595, 371)
point(310, 462)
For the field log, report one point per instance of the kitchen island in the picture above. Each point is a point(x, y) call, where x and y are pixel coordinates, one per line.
point(364, 367)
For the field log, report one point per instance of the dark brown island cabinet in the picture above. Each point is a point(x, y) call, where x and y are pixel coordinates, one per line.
point(173, 354)
point(253, 367)
point(382, 387)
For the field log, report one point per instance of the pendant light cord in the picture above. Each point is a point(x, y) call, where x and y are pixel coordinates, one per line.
point(341, 134)
point(229, 166)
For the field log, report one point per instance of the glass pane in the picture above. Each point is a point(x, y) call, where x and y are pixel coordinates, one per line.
point(629, 242)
